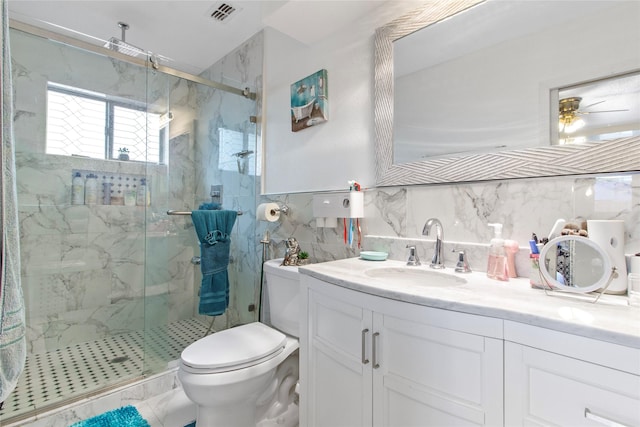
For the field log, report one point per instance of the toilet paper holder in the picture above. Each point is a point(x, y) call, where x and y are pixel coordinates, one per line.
point(271, 211)
point(283, 209)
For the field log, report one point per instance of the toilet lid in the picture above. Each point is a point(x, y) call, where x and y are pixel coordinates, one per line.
point(235, 347)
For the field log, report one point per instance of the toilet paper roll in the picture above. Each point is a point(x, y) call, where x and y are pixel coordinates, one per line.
point(609, 234)
point(268, 212)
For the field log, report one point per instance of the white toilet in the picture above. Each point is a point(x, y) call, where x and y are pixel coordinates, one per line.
point(227, 374)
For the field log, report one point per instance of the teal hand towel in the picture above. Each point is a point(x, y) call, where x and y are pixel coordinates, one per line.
point(213, 228)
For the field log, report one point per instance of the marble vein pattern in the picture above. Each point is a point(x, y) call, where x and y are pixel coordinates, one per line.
point(395, 216)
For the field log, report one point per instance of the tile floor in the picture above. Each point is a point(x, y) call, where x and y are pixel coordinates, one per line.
point(53, 377)
point(170, 409)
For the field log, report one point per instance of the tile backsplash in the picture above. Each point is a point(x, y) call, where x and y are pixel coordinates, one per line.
point(395, 216)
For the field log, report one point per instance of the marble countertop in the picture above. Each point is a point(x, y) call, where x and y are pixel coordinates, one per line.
point(610, 319)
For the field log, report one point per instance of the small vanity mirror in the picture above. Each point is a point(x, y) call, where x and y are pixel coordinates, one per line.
point(575, 264)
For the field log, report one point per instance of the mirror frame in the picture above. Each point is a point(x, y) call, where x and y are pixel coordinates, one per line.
point(620, 155)
point(600, 283)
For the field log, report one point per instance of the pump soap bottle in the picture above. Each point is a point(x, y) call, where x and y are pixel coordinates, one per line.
point(497, 263)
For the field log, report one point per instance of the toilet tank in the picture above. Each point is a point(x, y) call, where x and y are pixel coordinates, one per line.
point(280, 298)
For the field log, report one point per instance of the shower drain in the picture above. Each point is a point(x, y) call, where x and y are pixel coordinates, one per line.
point(119, 359)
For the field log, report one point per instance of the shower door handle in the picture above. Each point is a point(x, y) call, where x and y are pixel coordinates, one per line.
point(364, 346)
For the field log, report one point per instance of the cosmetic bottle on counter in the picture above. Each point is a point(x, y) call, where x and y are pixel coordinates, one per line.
point(77, 189)
point(497, 263)
point(511, 248)
point(535, 278)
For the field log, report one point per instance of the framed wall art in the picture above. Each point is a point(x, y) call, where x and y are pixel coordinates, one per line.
point(309, 101)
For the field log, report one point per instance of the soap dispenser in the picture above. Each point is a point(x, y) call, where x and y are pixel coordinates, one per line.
point(497, 263)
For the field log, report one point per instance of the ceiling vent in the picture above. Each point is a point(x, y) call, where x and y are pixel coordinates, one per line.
point(223, 12)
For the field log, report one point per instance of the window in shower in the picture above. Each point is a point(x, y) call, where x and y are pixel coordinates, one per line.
point(85, 123)
point(236, 151)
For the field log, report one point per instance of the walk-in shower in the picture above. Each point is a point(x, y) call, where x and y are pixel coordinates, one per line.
point(110, 292)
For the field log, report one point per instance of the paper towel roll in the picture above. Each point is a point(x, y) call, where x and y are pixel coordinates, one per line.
point(609, 234)
point(268, 212)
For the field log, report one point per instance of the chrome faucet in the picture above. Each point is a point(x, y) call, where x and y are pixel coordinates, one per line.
point(438, 259)
point(462, 266)
point(413, 256)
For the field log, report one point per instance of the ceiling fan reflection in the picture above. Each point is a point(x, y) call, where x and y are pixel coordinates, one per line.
point(570, 112)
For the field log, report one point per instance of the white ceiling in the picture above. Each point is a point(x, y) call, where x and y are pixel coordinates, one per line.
point(182, 30)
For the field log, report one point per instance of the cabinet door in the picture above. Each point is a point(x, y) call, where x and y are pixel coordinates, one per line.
point(339, 366)
point(544, 388)
point(435, 376)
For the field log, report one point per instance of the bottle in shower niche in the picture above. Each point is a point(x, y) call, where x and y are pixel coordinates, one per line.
point(77, 189)
point(91, 190)
point(143, 198)
point(129, 197)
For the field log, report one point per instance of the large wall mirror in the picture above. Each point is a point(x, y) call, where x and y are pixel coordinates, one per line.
point(471, 90)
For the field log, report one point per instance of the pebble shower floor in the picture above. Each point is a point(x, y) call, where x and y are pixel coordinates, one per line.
point(53, 377)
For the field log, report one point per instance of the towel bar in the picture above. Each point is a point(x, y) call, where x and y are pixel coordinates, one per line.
point(172, 212)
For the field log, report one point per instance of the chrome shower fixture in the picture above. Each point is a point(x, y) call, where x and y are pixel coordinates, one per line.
point(242, 157)
point(242, 154)
point(121, 46)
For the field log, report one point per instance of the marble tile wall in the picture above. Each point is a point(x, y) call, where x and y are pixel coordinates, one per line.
point(395, 216)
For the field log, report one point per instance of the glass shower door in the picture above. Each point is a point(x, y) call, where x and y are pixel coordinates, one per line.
point(82, 264)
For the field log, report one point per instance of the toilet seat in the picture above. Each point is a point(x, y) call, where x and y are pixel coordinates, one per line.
point(233, 349)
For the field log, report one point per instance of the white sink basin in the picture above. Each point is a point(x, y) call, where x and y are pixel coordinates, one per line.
point(414, 275)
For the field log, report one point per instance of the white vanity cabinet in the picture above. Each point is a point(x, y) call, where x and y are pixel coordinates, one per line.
point(371, 361)
point(554, 378)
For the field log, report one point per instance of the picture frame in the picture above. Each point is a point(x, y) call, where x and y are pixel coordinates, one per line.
point(309, 101)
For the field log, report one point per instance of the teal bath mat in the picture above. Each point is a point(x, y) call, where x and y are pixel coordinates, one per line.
point(127, 416)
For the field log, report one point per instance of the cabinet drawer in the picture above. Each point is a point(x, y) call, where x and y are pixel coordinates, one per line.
point(603, 353)
point(544, 388)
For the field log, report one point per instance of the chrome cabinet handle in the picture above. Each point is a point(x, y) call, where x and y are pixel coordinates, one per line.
point(600, 419)
point(376, 365)
point(364, 348)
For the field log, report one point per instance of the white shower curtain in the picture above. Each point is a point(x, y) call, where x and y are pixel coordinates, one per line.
point(12, 319)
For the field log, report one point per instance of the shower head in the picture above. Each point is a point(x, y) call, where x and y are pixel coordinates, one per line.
point(119, 45)
point(123, 47)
